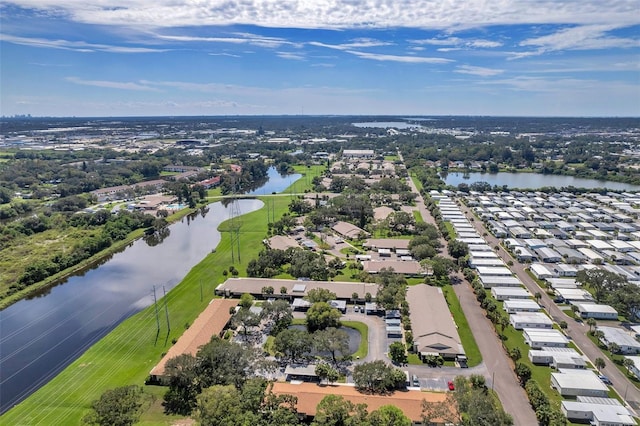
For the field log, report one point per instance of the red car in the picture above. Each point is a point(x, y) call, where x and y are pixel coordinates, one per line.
point(451, 386)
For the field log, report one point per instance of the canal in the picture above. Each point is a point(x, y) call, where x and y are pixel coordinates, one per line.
point(39, 337)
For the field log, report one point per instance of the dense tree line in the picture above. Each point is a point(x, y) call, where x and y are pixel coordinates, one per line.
point(613, 289)
point(470, 404)
point(295, 261)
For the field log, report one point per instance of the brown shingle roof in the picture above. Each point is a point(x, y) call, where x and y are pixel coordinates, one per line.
point(310, 394)
point(431, 321)
point(209, 323)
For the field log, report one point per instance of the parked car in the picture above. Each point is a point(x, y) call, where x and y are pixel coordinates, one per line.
point(451, 385)
point(415, 381)
point(604, 379)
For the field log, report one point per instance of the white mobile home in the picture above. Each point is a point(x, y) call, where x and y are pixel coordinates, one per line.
point(597, 311)
point(538, 338)
point(496, 271)
point(578, 382)
point(486, 262)
point(597, 411)
point(523, 320)
point(521, 305)
point(506, 293)
point(626, 342)
point(499, 281)
point(541, 271)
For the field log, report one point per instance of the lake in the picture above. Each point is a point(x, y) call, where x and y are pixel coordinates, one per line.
point(386, 124)
point(39, 337)
point(535, 181)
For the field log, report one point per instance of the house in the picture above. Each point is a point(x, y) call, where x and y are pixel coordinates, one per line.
point(572, 382)
point(520, 305)
point(626, 342)
point(597, 311)
point(597, 411)
point(350, 154)
point(523, 320)
point(434, 331)
point(542, 338)
point(349, 230)
point(506, 293)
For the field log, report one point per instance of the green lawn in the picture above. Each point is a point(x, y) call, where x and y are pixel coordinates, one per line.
point(127, 354)
point(418, 216)
point(468, 341)
point(451, 230)
point(416, 182)
point(362, 328)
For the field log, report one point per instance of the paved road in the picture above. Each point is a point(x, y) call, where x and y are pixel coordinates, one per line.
point(575, 331)
point(498, 366)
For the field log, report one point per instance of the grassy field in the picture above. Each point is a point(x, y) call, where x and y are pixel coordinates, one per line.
point(418, 216)
point(15, 258)
point(127, 354)
point(468, 341)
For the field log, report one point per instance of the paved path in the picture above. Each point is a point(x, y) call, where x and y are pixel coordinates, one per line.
point(575, 331)
point(497, 365)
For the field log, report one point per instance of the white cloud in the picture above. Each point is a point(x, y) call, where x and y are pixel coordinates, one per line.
point(381, 56)
point(239, 38)
point(289, 55)
point(112, 84)
point(586, 37)
point(458, 43)
point(481, 71)
point(225, 54)
point(398, 58)
point(341, 14)
point(77, 46)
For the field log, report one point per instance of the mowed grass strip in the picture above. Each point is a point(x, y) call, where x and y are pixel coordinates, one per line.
point(466, 336)
point(126, 355)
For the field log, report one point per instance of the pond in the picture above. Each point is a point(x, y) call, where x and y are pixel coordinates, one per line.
point(354, 337)
point(535, 181)
point(39, 337)
point(275, 183)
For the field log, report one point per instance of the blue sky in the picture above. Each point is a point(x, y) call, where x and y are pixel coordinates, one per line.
point(215, 57)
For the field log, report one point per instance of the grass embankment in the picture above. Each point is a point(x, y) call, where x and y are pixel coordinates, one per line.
point(466, 336)
point(127, 354)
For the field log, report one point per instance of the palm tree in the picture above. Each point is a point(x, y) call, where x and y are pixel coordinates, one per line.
point(599, 363)
point(591, 322)
point(628, 363)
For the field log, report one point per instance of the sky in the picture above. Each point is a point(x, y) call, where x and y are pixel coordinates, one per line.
point(319, 57)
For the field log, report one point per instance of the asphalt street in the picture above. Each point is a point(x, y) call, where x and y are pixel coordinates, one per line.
point(498, 366)
point(577, 332)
